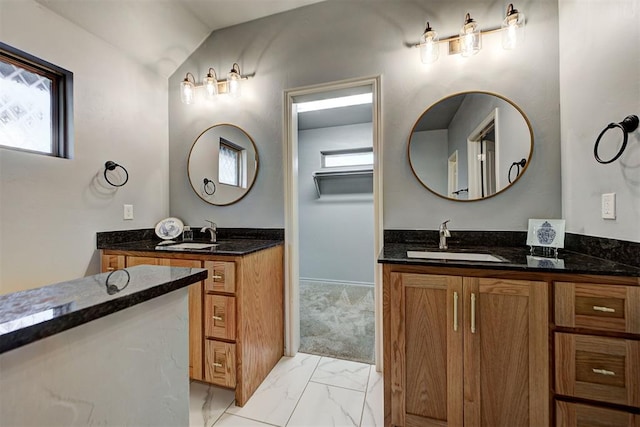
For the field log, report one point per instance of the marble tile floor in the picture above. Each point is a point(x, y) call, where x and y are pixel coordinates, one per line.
point(305, 390)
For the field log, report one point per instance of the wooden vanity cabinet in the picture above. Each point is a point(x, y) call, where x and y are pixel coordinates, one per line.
point(236, 316)
point(597, 354)
point(465, 350)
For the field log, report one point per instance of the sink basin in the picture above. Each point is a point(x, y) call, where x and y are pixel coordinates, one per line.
point(190, 246)
point(454, 256)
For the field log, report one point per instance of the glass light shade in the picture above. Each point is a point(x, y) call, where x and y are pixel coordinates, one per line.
point(512, 28)
point(470, 41)
point(210, 85)
point(233, 82)
point(187, 91)
point(429, 47)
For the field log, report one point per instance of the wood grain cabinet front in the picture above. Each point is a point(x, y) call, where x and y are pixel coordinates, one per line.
point(598, 307)
point(598, 368)
point(220, 365)
point(451, 342)
point(570, 414)
point(220, 317)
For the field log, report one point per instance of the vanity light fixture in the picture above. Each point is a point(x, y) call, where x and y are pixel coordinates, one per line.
point(512, 28)
point(212, 86)
point(429, 49)
point(469, 41)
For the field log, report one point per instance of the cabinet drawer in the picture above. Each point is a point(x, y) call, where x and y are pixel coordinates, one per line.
point(220, 317)
point(598, 368)
point(598, 307)
point(222, 276)
point(112, 262)
point(220, 363)
point(579, 415)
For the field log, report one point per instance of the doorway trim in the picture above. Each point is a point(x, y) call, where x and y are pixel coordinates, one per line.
point(291, 245)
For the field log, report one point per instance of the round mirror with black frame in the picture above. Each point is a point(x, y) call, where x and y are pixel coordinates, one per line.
point(470, 146)
point(223, 164)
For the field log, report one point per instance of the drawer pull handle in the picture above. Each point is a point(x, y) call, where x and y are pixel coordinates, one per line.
point(218, 365)
point(473, 313)
point(455, 312)
point(217, 318)
point(603, 372)
point(217, 277)
point(604, 309)
point(110, 268)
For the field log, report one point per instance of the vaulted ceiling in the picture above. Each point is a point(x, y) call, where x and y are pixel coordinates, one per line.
point(161, 34)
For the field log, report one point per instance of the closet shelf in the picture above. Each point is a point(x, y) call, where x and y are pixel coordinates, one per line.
point(340, 173)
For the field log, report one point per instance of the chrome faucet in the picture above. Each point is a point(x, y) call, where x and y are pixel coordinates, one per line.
point(443, 231)
point(212, 229)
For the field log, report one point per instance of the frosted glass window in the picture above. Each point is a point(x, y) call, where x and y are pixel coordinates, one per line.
point(36, 107)
point(229, 163)
point(347, 158)
point(25, 109)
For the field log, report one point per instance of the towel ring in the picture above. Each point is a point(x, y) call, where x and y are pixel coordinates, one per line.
point(629, 124)
point(518, 165)
point(113, 289)
point(109, 166)
point(207, 190)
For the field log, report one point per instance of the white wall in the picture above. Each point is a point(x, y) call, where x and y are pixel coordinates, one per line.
point(338, 40)
point(336, 230)
point(50, 208)
point(126, 369)
point(600, 83)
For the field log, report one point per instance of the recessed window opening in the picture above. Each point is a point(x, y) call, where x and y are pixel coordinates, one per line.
point(346, 158)
point(231, 163)
point(343, 101)
point(36, 104)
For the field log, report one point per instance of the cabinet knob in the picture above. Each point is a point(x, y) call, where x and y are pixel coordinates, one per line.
point(604, 309)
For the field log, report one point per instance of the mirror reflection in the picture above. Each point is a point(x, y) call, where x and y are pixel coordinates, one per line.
point(470, 146)
point(223, 164)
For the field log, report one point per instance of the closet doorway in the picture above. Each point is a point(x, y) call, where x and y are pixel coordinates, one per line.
point(333, 220)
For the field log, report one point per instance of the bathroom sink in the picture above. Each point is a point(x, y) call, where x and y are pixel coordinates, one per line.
point(455, 256)
point(189, 246)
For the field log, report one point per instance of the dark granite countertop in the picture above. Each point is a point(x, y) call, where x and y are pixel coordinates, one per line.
point(234, 247)
point(33, 314)
point(516, 259)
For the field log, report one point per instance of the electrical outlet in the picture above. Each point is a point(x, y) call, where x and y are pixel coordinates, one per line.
point(609, 206)
point(128, 212)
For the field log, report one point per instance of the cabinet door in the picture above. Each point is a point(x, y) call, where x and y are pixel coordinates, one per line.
point(506, 353)
point(143, 260)
point(426, 349)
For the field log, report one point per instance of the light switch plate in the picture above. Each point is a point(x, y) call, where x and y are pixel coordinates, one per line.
point(128, 212)
point(609, 206)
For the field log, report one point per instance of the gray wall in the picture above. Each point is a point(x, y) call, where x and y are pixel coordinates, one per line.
point(51, 208)
point(336, 230)
point(337, 40)
point(430, 159)
point(600, 83)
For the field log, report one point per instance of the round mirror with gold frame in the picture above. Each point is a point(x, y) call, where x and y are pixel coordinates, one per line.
point(223, 164)
point(470, 146)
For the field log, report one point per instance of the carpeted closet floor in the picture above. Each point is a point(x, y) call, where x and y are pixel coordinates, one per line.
point(337, 320)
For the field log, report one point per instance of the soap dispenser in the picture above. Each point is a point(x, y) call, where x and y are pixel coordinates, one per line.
point(187, 234)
